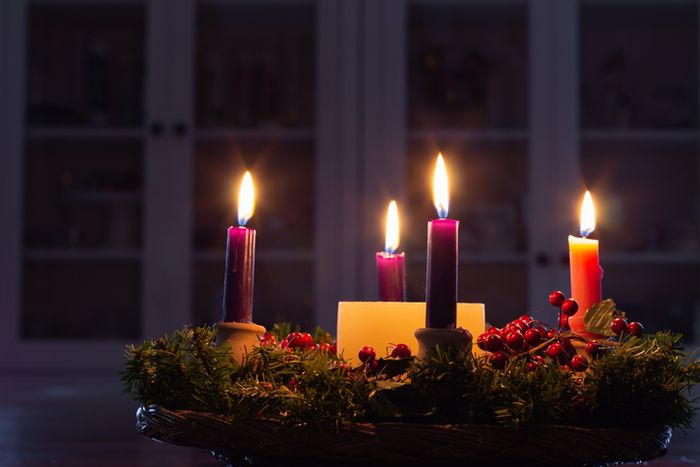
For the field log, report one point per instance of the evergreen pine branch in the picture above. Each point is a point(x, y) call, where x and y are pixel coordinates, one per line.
point(644, 382)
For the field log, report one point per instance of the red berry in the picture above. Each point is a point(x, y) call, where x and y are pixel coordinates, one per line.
point(294, 339)
point(307, 340)
point(366, 354)
point(514, 340)
point(505, 330)
point(533, 366)
point(566, 368)
point(592, 348)
point(325, 347)
point(555, 350)
point(493, 343)
point(618, 325)
point(579, 363)
point(539, 359)
point(493, 330)
point(481, 341)
point(400, 351)
point(334, 348)
point(284, 343)
point(268, 339)
point(293, 383)
point(551, 333)
point(556, 298)
point(563, 321)
point(635, 328)
point(521, 325)
point(569, 307)
point(299, 340)
point(373, 366)
point(499, 360)
point(527, 318)
point(533, 337)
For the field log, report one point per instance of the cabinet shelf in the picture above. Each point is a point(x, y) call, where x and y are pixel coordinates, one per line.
point(278, 256)
point(84, 133)
point(59, 254)
point(104, 196)
point(457, 134)
point(640, 135)
point(477, 258)
point(214, 134)
point(652, 258)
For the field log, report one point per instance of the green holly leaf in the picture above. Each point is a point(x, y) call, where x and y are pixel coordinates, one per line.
point(598, 317)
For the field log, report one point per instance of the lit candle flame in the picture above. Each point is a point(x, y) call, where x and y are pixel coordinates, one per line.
point(587, 215)
point(246, 200)
point(391, 242)
point(441, 195)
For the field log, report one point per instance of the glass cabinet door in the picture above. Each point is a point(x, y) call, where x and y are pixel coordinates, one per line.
point(255, 98)
point(467, 97)
point(639, 154)
point(83, 172)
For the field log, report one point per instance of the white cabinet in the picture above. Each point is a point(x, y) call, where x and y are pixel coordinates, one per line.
point(126, 125)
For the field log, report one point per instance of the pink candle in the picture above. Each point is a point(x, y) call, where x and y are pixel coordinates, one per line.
point(391, 277)
point(586, 273)
point(239, 272)
point(391, 270)
point(442, 262)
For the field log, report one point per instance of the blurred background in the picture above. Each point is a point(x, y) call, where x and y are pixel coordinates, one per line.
point(126, 126)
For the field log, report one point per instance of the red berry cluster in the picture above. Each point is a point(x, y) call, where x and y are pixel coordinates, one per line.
point(567, 307)
point(298, 341)
point(515, 338)
point(620, 327)
point(541, 345)
point(561, 350)
point(368, 357)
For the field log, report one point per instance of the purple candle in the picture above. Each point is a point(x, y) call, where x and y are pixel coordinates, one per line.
point(240, 260)
point(391, 270)
point(441, 271)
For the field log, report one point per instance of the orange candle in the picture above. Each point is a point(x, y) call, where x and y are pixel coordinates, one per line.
point(586, 273)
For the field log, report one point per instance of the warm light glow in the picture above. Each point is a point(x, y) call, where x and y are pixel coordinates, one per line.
point(246, 199)
point(392, 228)
point(441, 194)
point(587, 215)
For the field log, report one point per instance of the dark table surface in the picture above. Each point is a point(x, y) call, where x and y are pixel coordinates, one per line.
point(52, 418)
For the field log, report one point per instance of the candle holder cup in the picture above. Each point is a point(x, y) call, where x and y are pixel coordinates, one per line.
point(241, 337)
point(431, 338)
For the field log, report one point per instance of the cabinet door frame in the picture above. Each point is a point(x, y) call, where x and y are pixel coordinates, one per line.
point(339, 218)
point(553, 145)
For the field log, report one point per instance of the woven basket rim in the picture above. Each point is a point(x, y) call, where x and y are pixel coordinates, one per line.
point(400, 443)
point(351, 425)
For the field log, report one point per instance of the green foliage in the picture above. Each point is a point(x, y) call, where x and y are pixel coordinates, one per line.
point(487, 395)
point(598, 317)
point(643, 382)
point(188, 371)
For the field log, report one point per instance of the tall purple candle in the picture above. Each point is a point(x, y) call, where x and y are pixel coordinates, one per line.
point(441, 271)
point(391, 270)
point(239, 273)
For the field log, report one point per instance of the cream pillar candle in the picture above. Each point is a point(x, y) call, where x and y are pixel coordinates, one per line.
point(379, 324)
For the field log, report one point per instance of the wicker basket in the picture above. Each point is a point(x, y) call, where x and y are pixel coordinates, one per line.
point(262, 442)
